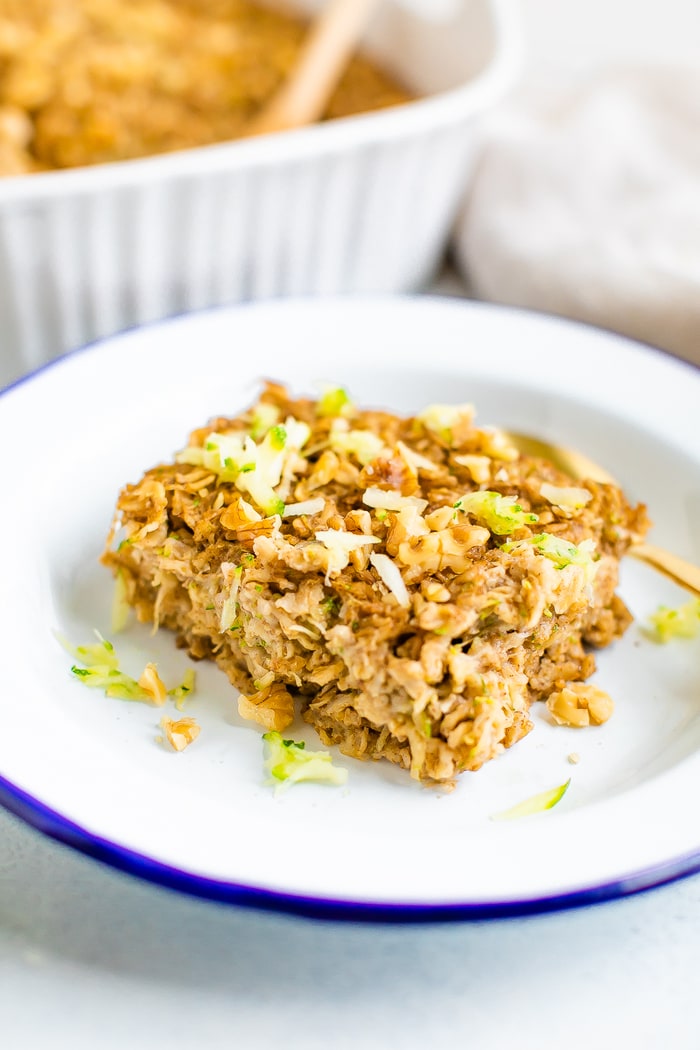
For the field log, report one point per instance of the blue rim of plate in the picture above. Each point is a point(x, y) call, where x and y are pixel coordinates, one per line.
point(54, 825)
point(59, 828)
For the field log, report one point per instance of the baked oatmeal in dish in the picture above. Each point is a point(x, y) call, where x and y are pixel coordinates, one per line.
point(91, 81)
point(409, 585)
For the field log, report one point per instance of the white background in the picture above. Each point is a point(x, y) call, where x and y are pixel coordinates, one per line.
point(582, 35)
point(90, 958)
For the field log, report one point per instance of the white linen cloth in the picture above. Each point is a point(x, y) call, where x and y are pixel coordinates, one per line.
point(586, 203)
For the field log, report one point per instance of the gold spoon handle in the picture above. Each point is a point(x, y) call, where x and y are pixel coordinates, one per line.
point(578, 466)
point(675, 568)
point(328, 47)
point(569, 460)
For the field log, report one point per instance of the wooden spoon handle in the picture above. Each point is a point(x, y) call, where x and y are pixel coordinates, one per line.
point(323, 58)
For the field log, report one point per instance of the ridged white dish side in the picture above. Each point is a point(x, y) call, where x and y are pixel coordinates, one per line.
point(361, 205)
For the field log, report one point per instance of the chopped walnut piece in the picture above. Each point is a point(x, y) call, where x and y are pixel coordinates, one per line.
point(242, 519)
point(322, 473)
point(417, 462)
point(391, 472)
point(180, 732)
point(239, 514)
point(271, 707)
point(442, 518)
point(153, 684)
point(434, 591)
point(447, 549)
point(359, 519)
point(478, 466)
point(405, 525)
point(495, 443)
point(580, 705)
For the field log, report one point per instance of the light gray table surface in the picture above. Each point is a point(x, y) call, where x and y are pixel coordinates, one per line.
point(90, 958)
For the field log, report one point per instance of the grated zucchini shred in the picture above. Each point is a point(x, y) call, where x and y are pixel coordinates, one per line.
point(335, 401)
point(683, 621)
point(561, 552)
point(288, 762)
point(253, 467)
point(97, 666)
point(497, 513)
point(539, 803)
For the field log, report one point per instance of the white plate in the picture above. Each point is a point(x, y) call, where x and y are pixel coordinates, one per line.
point(87, 769)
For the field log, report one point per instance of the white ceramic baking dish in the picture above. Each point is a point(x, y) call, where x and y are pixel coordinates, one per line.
point(362, 204)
